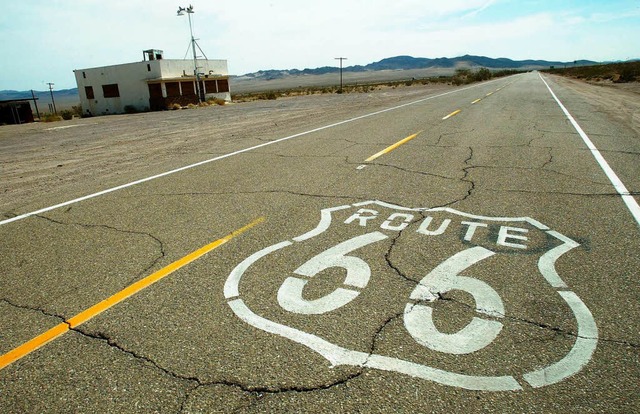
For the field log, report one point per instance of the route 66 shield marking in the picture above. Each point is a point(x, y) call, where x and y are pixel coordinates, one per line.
point(480, 241)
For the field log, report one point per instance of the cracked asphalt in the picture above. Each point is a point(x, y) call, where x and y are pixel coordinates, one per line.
point(496, 216)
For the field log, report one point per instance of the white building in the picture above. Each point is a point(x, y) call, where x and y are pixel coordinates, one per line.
point(153, 84)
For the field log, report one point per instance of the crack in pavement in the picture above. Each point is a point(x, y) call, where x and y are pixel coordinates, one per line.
point(33, 308)
point(157, 241)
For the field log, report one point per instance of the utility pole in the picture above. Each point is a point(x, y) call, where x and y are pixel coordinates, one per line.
point(33, 95)
point(52, 101)
point(341, 59)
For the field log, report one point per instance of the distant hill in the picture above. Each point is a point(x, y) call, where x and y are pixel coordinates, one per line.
point(409, 62)
point(64, 98)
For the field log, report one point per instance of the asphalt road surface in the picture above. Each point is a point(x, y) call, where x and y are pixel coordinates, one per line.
point(429, 249)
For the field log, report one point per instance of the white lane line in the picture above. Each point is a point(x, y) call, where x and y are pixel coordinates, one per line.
point(187, 167)
point(631, 203)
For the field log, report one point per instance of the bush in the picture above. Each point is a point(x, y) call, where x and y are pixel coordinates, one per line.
point(482, 74)
point(216, 101)
point(51, 118)
point(175, 107)
point(66, 114)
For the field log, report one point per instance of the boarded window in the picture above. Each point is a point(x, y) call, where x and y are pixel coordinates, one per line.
point(210, 86)
point(223, 85)
point(111, 91)
point(155, 90)
point(173, 89)
point(88, 90)
point(187, 88)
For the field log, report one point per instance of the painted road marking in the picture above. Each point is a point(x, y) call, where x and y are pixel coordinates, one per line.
point(127, 292)
point(454, 113)
point(63, 127)
point(242, 151)
point(628, 199)
point(476, 101)
point(370, 223)
point(392, 147)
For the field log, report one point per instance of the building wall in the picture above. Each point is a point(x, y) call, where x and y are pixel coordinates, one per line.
point(132, 80)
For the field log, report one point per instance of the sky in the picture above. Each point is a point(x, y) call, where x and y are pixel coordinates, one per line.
point(45, 40)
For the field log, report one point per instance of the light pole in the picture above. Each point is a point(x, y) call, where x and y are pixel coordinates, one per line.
point(190, 11)
point(341, 59)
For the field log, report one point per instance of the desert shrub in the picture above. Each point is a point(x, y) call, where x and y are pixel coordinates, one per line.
point(51, 118)
point(66, 114)
point(629, 74)
point(216, 101)
point(192, 106)
point(175, 107)
point(77, 110)
point(482, 74)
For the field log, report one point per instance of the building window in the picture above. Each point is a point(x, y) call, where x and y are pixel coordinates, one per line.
point(210, 86)
point(148, 67)
point(173, 89)
point(88, 90)
point(155, 90)
point(111, 91)
point(223, 85)
point(84, 75)
point(187, 88)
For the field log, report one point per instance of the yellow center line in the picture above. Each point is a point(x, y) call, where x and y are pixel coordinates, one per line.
point(454, 113)
point(127, 292)
point(476, 101)
point(490, 93)
point(392, 147)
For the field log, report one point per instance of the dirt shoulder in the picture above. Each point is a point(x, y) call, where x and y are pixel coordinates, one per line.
point(621, 101)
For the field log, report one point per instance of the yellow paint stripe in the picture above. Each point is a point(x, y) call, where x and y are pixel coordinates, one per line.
point(454, 113)
point(392, 147)
point(127, 292)
point(476, 101)
point(490, 93)
point(33, 344)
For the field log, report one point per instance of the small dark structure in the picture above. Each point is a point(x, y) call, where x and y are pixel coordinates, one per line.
point(15, 111)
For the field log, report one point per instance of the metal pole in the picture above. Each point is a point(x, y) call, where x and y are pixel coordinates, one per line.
point(341, 59)
point(195, 59)
point(52, 101)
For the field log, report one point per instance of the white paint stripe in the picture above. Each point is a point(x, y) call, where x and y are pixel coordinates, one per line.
point(325, 222)
point(579, 355)
point(232, 285)
point(144, 180)
point(631, 203)
point(62, 127)
point(547, 262)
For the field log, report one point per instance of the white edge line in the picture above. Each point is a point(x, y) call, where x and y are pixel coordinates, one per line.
point(631, 203)
point(187, 167)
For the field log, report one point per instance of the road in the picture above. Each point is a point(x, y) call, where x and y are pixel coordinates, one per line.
point(431, 249)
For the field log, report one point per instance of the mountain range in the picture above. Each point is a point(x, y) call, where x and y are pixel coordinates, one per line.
point(393, 63)
point(409, 62)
